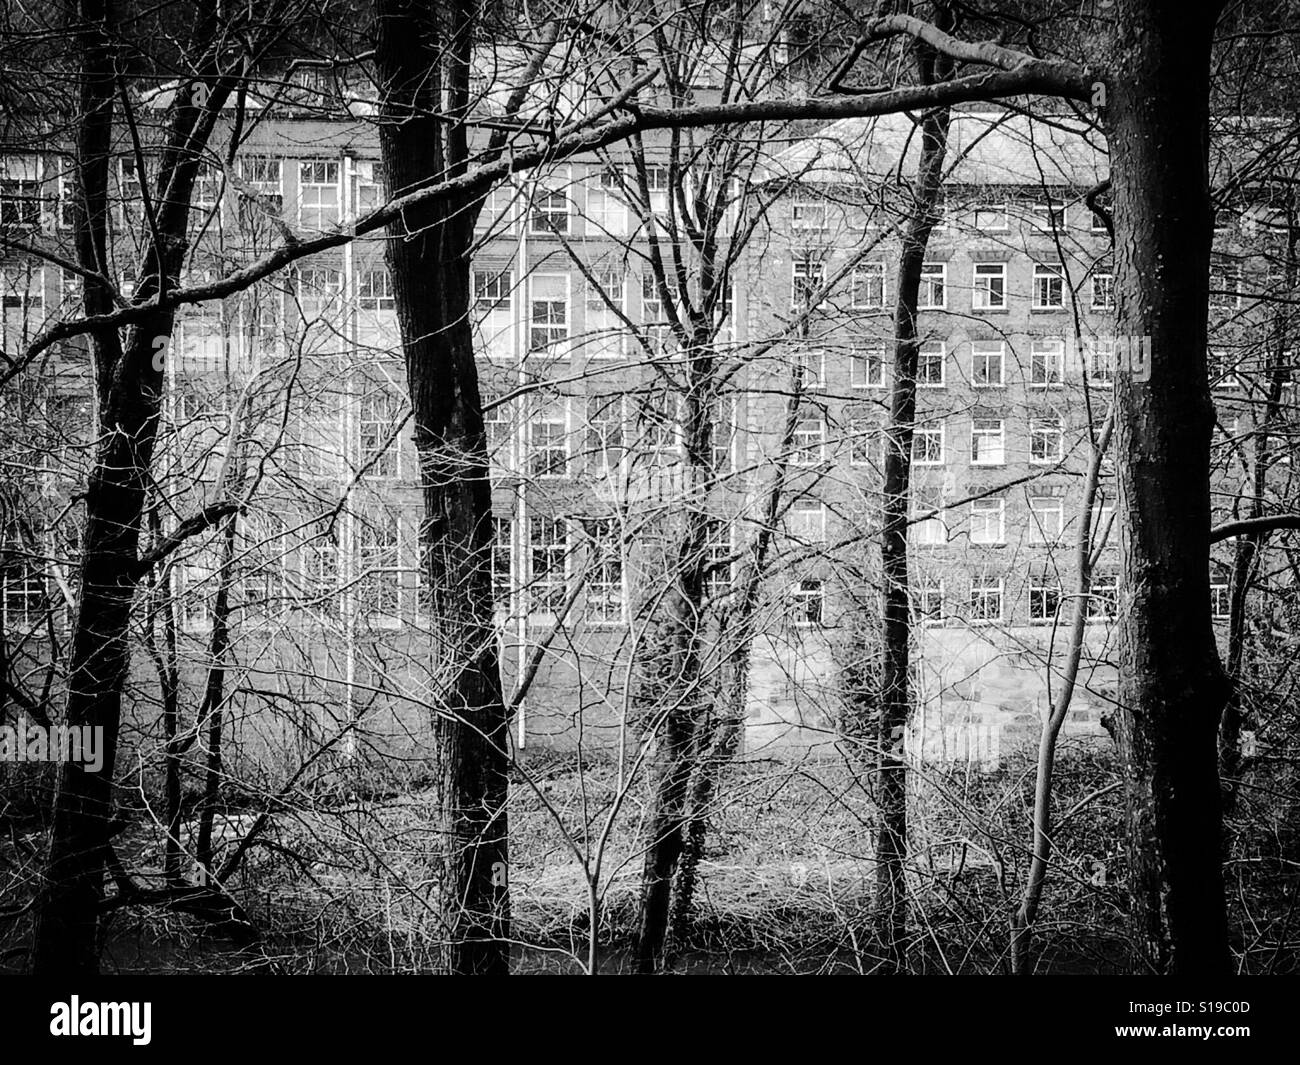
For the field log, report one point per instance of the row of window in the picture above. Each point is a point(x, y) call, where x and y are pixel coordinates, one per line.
point(1049, 361)
point(810, 212)
point(868, 287)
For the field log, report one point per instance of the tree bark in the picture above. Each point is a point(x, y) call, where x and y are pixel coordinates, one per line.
point(1172, 685)
point(422, 53)
point(896, 697)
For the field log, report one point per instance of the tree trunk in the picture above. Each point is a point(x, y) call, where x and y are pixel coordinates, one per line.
point(420, 55)
point(211, 715)
point(896, 698)
point(1172, 686)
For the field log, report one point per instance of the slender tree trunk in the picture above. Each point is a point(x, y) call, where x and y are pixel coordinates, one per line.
point(1022, 923)
point(896, 698)
point(676, 683)
point(1172, 686)
point(422, 53)
point(211, 715)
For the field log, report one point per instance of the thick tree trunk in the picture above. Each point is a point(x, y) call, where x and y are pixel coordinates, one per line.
point(421, 54)
point(129, 380)
point(1172, 686)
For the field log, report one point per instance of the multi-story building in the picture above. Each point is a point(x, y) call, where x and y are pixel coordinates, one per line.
point(290, 397)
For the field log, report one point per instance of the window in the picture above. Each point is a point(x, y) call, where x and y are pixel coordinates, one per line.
point(604, 571)
point(376, 308)
point(867, 365)
point(1225, 285)
point(318, 193)
point(550, 207)
point(806, 520)
point(868, 287)
point(1045, 363)
point(66, 207)
point(929, 600)
point(375, 289)
point(1047, 519)
point(548, 313)
point(1049, 287)
point(808, 276)
point(806, 602)
point(985, 599)
point(1220, 599)
point(207, 189)
point(604, 435)
point(927, 444)
point(548, 551)
point(932, 529)
point(499, 209)
point(201, 336)
point(131, 191)
point(657, 181)
point(22, 305)
point(1100, 360)
point(988, 358)
point(498, 426)
point(718, 560)
point(494, 312)
point(930, 362)
point(1104, 601)
point(605, 304)
point(195, 585)
point(20, 191)
point(1221, 366)
point(1103, 291)
point(865, 439)
point(810, 363)
point(723, 435)
point(657, 439)
point(1046, 217)
point(1046, 440)
point(606, 206)
point(262, 177)
point(990, 287)
point(503, 558)
point(379, 588)
point(987, 521)
point(24, 596)
point(808, 442)
point(991, 218)
point(380, 450)
point(1044, 597)
point(317, 289)
point(987, 442)
point(809, 211)
point(933, 295)
point(320, 568)
point(548, 440)
point(368, 176)
point(1096, 224)
point(1104, 526)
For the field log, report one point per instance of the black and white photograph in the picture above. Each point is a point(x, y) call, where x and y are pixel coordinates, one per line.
point(650, 487)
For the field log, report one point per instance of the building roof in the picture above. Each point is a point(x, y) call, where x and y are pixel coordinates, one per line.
point(984, 148)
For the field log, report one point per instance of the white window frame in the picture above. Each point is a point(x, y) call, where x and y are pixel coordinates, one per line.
point(1000, 436)
point(932, 351)
point(1048, 277)
point(933, 274)
point(1046, 428)
point(864, 357)
point(318, 189)
point(866, 279)
point(1049, 353)
point(981, 352)
point(982, 513)
point(983, 294)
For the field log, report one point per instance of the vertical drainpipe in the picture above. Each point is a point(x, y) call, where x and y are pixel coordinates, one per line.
point(519, 535)
point(347, 538)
